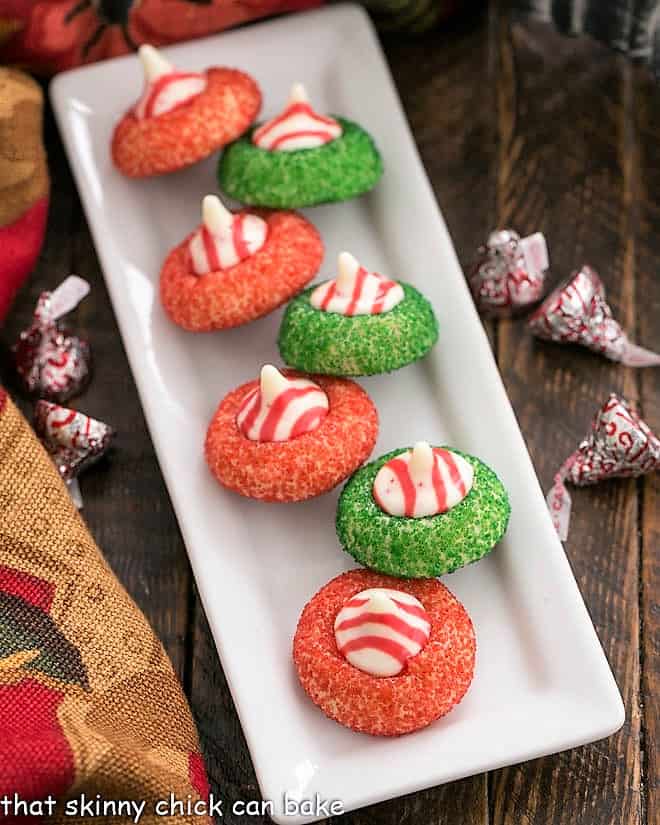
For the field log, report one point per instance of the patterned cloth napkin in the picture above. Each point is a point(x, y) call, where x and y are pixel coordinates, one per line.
point(89, 703)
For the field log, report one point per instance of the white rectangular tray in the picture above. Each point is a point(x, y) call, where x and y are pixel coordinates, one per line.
point(542, 683)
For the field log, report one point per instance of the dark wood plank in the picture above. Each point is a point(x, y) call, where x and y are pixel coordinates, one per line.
point(646, 106)
point(126, 504)
point(564, 142)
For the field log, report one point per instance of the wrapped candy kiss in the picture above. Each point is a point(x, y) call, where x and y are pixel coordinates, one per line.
point(577, 312)
point(50, 361)
point(509, 273)
point(620, 444)
point(72, 439)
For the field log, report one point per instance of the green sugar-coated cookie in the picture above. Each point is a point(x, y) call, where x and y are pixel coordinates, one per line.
point(422, 547)
point(317, 341)
point(339, 170)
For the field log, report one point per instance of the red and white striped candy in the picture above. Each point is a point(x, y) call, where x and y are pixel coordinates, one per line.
point(356, 292)
point(72, 438)
point(620, 444)
point(166, 88)
point(422, 482)
point(281, 408)
point(298, 127)
point(380, 629)
point(224, 239)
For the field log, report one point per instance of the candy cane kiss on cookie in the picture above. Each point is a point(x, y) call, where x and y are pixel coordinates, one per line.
point(422, 512)
point(380, 629)
point(281, 408)
point(224, 239)
point(384, 656)
point(181, 116)
point(235, 267)
point(424, 481)
point(166, 88)
point(288, 436)
point(298, 127)
point(355, 291)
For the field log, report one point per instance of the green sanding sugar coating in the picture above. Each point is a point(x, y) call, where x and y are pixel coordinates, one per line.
point(339, 170)
point(313, 340)
point(422, 547)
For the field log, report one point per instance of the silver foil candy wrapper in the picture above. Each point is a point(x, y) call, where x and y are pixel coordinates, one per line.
point(73, 440)
point(620, 444)
point(577, 312)
point(509, 273)
point(50, 361)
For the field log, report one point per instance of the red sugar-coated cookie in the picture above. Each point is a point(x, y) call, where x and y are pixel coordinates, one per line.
point(288, 260)
point(189, 133)
point(432, 683)
point(303, 467)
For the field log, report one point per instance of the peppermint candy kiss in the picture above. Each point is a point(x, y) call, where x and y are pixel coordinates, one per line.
point(424, 481)
point(50, 361)
point(380, 629)
point(577, 312)
point(356, 291)
point(166, 88)
point(73, 440)
point(298, 127)
point(509, 274)
point(224, 239)
point(281, 408)
point(620, 444)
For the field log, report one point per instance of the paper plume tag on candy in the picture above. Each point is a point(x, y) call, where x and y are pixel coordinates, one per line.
point(620, 444)
point(50, 361)
point(578, 313)
point(509, 274)
point(535, 252)
point(73, 440)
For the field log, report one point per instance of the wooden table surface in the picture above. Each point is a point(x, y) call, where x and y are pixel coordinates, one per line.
point(516, 126)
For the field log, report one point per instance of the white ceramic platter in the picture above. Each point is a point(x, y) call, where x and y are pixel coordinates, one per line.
point(542, 683)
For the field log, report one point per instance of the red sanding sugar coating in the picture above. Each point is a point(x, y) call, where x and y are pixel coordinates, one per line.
point(432, 683)
point(303, 467)
point(257, 285)
point(215, 117)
